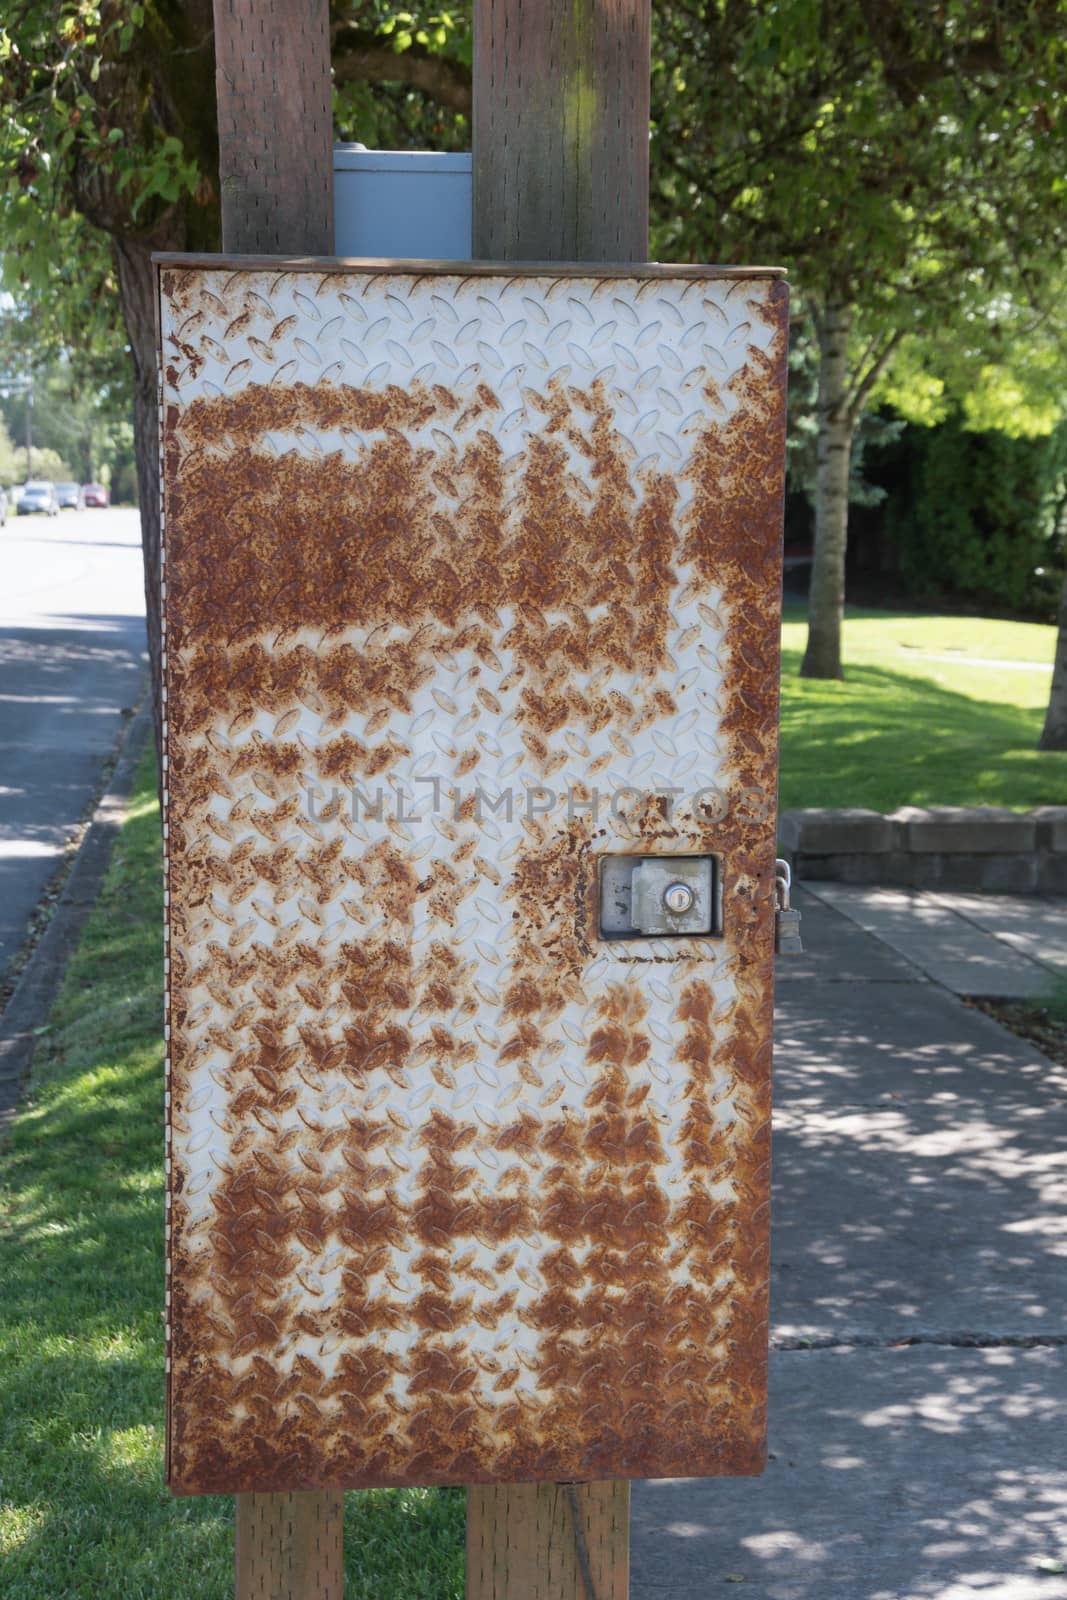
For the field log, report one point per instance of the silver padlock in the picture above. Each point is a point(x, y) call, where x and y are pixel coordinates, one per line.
point(787, 941)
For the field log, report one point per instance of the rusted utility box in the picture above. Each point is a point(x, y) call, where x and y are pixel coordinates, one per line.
point(472, 585)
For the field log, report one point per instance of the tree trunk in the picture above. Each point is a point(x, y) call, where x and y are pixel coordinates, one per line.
point(826, 600)
point(1054, 733)
point(165, 78)
point(133, 263)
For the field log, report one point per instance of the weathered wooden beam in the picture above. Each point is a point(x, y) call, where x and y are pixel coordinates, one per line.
point(288, 1547)
point(560, 135)
point(560, 130)
point(272, 77)
point(549, 1541)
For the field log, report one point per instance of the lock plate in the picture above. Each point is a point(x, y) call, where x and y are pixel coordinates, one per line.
point(660, 897)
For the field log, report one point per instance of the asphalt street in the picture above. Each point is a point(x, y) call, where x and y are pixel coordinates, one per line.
point(72, 660)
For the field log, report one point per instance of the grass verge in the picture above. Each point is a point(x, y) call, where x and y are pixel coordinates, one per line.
point(1042, 1023)
point(932, 711)
point(83, 1509)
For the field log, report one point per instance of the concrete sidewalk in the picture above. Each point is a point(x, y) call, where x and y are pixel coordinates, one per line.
point(919, 1289)
point(1011, 946)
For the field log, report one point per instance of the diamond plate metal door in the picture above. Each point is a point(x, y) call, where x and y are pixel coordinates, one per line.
point(471, 579)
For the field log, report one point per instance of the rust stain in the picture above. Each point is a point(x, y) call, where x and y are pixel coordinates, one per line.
point(445, 1204)
point(586, 572)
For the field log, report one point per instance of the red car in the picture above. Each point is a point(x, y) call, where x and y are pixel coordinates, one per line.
point(95, 494)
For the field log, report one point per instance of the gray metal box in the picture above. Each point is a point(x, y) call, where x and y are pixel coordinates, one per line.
point(393, 204)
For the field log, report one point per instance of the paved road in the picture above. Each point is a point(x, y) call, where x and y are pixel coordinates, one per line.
point(72, 658)
point(918, 1447)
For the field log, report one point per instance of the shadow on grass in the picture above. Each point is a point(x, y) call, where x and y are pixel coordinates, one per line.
point(885, 739)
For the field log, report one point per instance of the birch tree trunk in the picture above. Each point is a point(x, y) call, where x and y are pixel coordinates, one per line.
point(1054, 733)
point(826, 600)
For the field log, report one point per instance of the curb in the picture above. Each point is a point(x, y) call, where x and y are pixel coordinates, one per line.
point(40, 978)
point(970, 849)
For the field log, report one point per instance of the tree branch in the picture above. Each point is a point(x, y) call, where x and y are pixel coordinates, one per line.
point(862, 387)
point(909, 68)
point(361, 56)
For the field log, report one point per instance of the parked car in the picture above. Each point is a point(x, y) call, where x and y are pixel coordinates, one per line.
point(95, 494)
point(69, 496)
point(37, 496)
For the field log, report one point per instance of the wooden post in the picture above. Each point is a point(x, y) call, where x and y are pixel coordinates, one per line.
point(560, 136)
point(560, 130)
point(272, 79)
point(548, 1541)
point(288, 1547)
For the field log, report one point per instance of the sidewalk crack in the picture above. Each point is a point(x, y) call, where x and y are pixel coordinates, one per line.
point(961, 1341)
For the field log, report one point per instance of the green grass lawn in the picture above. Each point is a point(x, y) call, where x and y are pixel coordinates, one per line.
point(932, 711)
point(83, 1510)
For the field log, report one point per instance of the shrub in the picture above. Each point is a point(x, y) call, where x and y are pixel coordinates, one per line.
point(981, 516)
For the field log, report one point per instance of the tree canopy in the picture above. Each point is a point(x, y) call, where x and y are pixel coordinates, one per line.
point(905, 162)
